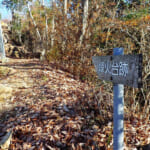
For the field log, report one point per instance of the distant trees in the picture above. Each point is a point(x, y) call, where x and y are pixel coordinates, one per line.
point(85, 19)
point(34, 23)
point(70, 24)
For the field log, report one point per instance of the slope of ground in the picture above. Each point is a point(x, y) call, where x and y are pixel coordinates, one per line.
point(14, 49)
point(48, 109)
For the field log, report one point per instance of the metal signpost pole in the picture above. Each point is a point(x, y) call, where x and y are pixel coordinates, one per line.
point(120, 70)
point(118, 107)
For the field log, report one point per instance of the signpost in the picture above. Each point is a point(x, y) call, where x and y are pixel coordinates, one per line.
point(121, 70)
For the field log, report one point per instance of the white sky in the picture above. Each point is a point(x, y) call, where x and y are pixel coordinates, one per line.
point(6, 14)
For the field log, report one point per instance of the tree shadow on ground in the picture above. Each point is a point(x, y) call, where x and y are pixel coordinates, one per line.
point(50, 123)
point(52, 117)
point(25, 65)
point(34, 64)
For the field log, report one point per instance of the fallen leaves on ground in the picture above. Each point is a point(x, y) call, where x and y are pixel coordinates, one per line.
point(55, 111)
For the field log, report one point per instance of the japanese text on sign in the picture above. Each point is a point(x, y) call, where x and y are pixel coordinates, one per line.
point(114, 68)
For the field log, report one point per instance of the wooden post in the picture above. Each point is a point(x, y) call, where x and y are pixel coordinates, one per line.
point(118, 107)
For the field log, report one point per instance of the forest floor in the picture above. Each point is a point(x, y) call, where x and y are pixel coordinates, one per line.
point(46, 108)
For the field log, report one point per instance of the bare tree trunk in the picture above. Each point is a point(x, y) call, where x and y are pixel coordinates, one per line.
point(43, 2)
point(65, 26)
point(65, 7)
point(44, 50)
point(34, 23)
point(2, 50)
point(46, 30)
point(46, 25)
point(53, 25)
point(45, 33)
point(85, 19)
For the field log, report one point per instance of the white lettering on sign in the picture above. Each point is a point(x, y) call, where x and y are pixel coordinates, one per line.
point(108, 67)
point(101, 67)
point(123, 71)
point(114, 68)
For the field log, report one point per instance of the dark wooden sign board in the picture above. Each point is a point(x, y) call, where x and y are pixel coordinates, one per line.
point(122, 69)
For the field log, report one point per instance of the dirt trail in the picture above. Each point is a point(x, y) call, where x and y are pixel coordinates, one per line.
point(31, 82)
point(42, 99)
point(19, 79)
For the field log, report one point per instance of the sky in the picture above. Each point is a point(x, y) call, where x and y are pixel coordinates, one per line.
point(5, 13)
